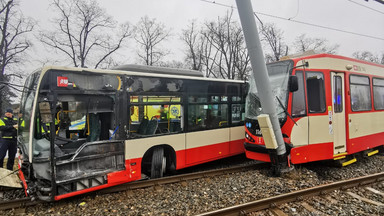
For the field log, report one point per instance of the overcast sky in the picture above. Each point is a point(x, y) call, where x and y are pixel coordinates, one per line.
point(344, 15)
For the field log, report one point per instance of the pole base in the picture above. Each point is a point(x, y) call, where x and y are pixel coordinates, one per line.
point(280, 164)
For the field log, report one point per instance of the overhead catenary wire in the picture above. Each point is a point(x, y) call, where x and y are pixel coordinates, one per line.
point(300, 22)
point(366, 7)
point(297, 11)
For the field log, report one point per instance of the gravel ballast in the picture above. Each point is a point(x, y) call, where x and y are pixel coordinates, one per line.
point(207, 194)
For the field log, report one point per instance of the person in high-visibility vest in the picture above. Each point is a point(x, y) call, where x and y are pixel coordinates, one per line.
point(8, 128)
point(21, 122)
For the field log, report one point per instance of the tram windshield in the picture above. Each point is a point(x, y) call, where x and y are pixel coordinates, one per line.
point(278, 75)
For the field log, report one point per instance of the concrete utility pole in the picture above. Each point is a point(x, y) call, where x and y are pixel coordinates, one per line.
point(260, 75)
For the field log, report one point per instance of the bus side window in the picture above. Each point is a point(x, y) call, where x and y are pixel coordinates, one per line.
point(164, 115)
point(237, 114)
point(207, 116)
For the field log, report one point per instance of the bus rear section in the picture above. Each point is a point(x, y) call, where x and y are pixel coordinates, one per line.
point(84, 130)
point(334, 115)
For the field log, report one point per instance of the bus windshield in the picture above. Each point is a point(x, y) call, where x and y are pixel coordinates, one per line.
point(278, 75)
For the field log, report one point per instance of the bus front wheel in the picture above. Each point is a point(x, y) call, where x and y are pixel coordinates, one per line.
point(159, 162)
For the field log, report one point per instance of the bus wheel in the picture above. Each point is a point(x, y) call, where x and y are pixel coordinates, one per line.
point(159, 162)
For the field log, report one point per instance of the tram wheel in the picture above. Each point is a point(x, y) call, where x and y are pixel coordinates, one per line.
point(159, 161)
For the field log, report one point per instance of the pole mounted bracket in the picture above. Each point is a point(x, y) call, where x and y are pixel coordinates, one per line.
point(267, 131)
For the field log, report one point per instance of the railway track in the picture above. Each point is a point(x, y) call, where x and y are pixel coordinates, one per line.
point(273, 202)
point(25, 202)
point(18, 203)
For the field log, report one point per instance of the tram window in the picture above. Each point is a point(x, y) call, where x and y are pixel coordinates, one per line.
point(338, 94)
point(207, 116)
point(298, 98)
point(360, 93)
point(316, 92)
point(378, 93)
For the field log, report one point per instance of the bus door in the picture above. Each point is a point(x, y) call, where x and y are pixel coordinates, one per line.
point(337, 114)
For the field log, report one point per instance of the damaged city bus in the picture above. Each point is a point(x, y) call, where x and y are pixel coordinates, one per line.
point(86, 129)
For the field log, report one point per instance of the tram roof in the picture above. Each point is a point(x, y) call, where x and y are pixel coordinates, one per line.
point(338, 63)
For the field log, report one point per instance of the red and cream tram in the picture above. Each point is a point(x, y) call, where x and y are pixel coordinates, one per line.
point(337, 111)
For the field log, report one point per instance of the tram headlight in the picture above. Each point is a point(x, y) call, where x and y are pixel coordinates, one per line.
point(248, 137)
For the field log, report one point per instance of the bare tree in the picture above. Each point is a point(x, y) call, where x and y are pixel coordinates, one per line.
point(228, 39)
point(195, 44)
point(218, 49)
point(368, 56)
point(13, 46)
point(303, 43)
point(149, 35)
point(209, 54)
point(85, 33)
point(382, 58)
point(273, 37)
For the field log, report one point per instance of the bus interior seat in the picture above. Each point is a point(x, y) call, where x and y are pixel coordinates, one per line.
point(151, 127)
point(146, 127)
point(143, 126)
point(94, 127)
point(106, 120)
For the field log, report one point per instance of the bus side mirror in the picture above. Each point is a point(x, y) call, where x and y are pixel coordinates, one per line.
point(293, 83)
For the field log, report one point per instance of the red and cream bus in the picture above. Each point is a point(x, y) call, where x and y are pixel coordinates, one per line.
point(337, 111)
point(87, 129)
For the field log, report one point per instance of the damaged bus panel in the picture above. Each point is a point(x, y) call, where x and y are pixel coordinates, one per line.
point(82, 130)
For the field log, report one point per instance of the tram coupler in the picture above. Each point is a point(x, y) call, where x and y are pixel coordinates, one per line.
point(280, 163)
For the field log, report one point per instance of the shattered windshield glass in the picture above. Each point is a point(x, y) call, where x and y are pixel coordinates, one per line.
point(278, 75)
point(78, 119)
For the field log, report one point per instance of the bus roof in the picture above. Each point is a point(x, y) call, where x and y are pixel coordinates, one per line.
point(147, 71)
point(159, 70)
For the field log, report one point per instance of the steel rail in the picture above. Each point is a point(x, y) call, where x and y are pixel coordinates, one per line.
point(271, 202)
point(18, 203)
point(180, 178)
point(25, 202)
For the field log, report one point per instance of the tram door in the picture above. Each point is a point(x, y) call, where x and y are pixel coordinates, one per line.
point(337, 114)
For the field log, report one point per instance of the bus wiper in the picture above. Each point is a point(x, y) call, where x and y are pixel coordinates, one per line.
point(285, 110)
